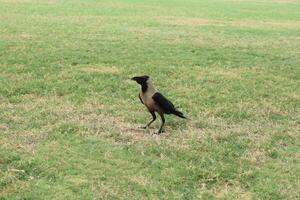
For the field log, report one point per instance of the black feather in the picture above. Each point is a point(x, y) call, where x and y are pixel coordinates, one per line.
point(142, 80)
point(166, 105)
point(179, 114)
point(163, 103)
point(141, 99)
point(144, 86)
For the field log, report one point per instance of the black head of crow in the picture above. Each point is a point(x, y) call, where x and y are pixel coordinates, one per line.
point(155, 101)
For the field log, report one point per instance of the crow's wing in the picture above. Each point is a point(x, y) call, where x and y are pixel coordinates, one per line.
point(163, 103)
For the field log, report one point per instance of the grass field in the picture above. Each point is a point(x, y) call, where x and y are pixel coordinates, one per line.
point(70, 116)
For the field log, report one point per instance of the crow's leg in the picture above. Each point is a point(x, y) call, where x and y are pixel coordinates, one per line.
point(162, 122)
point(153, 119)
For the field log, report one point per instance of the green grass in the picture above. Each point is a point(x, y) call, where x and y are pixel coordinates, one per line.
point(70, 116)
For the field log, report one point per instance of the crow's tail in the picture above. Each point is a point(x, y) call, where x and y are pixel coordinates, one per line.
point(179, 114)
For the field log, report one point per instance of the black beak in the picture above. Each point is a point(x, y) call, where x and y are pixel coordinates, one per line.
point(133, 78)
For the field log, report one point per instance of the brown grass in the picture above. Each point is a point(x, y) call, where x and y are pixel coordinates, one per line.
point(188, 21)
point(119, 131)
point(225, 191)
point(30, 1)
point(99, 69)
point(267, 1)
point(255, 155)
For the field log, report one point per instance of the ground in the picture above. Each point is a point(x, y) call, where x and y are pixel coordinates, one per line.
point(70, 117)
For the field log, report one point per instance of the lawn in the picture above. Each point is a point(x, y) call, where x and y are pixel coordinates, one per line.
point(70, 116)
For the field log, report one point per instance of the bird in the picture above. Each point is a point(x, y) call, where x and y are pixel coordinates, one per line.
point(155, 101)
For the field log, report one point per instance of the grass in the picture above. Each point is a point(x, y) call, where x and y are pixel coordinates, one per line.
point(70, 116)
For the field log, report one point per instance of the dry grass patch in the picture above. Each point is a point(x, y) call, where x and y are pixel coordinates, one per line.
point(227, 73)
point(266, 1)
point(26, 139)
point(76, 180)
point(77, 18)
point(140, 180)
point(15, 188)
point(30, 1)
point(255, 155)
point(104, 190)
point(187, 21)
point(18, 36)
point(142, 33)
point(16, 1)
point(228, 190)
point(83, 115)
point(266, 24)
point(99, 69)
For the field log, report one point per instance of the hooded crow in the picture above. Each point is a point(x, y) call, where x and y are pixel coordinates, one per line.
point(155, 101)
